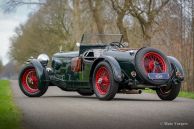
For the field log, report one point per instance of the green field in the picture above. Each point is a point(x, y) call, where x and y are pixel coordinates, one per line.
point(9, 114)
point(181, 94)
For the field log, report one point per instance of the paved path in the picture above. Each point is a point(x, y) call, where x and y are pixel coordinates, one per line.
point(58, 109)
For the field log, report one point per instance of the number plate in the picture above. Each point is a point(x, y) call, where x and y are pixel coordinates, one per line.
point(158, 76)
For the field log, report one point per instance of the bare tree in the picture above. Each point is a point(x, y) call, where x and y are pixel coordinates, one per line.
point(145, 11)
point(1, 65)
point(11, 5)
point(96, 9)
point(121, 12)
point(193, 38)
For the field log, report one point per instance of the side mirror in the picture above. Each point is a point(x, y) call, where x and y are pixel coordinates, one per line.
point(77, 44)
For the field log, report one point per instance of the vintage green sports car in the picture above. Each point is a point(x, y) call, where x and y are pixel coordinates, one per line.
point(104, 66)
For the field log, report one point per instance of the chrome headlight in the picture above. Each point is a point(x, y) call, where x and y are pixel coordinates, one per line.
point(43, 58)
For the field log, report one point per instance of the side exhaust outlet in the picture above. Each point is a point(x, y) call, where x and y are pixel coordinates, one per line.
point(126, 91)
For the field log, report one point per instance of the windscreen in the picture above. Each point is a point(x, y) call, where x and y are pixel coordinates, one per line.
point(101, 38)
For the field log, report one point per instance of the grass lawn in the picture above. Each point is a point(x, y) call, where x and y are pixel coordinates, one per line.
point(10, 117)
point(181, 94)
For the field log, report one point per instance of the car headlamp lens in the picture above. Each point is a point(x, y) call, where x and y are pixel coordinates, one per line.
point(43, 58)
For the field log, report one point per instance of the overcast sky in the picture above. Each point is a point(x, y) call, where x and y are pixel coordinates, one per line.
point(8, 23)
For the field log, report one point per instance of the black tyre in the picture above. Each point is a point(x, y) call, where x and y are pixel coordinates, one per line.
point(168, 92)
point(150, 60)
point(104, 85)
point(85, 92)
point(28, 82)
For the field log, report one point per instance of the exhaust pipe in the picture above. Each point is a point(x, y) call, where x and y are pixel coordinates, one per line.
point(126, 91)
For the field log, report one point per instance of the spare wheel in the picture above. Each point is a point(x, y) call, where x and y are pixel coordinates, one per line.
point(152, 62)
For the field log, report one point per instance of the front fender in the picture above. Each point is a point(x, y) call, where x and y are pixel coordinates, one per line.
point(177, 65)
point(40, 72)
point(117, 74)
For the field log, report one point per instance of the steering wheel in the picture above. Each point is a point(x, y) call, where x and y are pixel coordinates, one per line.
point(116, 44)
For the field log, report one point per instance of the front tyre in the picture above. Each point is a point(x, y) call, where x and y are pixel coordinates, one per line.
point(28, 82)
point(103, 82)
point(169, 92)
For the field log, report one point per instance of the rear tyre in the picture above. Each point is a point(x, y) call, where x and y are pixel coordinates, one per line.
point(104, 85)
point(85, 92)
point(151, 60)
point(28, 82)
point(169, 92)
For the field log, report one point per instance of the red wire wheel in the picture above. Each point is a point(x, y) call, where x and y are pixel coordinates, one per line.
point(104, 85)
point(154, 63)
point(151, 60)
point(168, 92)
point(102, 80)
point(30, 80)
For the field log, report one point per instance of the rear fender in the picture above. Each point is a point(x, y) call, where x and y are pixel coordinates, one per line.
point(177, 65)
point(40, 72)
point(117, 74)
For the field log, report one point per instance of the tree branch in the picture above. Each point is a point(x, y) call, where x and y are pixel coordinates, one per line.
point(12, 4)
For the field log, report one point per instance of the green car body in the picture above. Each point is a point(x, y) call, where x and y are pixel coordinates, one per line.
point(122, 62)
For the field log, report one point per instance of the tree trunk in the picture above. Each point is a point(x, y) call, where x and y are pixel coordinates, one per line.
point(122, 29)
point(97, 15)
point(147, 35)
point(76, 22)
point(193, 42)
